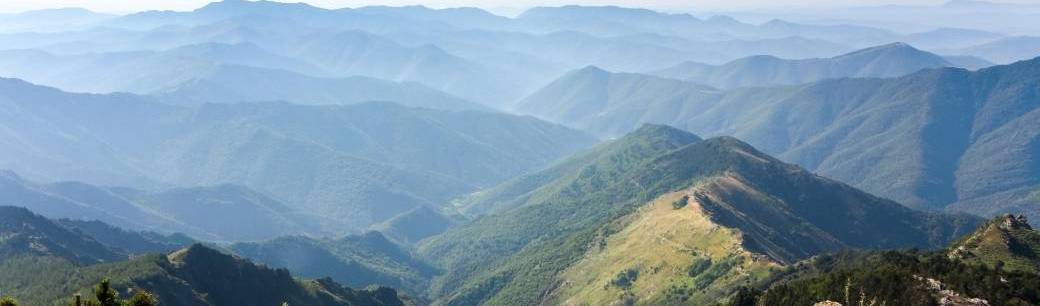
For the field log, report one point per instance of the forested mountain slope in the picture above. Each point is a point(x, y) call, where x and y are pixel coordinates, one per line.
point(942, 138)
point(662, 191)
point(45, 263)
point(382, 159)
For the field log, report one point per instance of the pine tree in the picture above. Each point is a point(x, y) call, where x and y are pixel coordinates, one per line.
point(106, 296)
point(8, 301)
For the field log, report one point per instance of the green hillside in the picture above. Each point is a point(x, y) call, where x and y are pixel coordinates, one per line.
point(995, 265)
point(25, 234)
point(778, 213)
point(44, 263)
point(1007, 241)
point(412, 226)
point(894, 278)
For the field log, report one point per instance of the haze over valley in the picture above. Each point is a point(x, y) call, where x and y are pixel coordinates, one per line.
point(272, 153)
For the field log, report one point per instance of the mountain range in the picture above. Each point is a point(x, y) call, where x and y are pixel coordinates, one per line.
point(612, 103)
point(237, 84)
point(935, 139)
point(383, 160)
point(893, 60)
point(466, 52)
point(262, 152)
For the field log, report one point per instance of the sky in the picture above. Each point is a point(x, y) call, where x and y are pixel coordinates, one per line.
point(507, 7)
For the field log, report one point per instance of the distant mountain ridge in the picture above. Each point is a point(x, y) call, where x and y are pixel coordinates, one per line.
point(1005, 50)
point(606, 103)
point(892, 60)
point(52, 20)
point(944, 133)
point(237, 84)
point(466, 52)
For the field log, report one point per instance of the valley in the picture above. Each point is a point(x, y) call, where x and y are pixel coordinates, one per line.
point(485, 153)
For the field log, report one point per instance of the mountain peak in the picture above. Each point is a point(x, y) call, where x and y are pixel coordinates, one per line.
point(591, 69)
point(193, 253)
point(722, 19)
point(247, 7)
point(25, 232)
point(1006, 241)
point(896, 46)
point(660, 132)
point(891, 60)
point(1011, 222)
point(778, 23)
point(10, 175)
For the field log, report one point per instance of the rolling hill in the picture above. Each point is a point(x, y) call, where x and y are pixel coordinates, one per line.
point(661, 216)
point(936, 139)
point(384, 159)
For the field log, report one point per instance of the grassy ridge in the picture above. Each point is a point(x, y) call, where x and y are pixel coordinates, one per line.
point(518, 257)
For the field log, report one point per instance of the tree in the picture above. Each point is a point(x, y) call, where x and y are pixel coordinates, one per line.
point(8, 301)
point(106, 296)
point(745, 296)
point(142, 298)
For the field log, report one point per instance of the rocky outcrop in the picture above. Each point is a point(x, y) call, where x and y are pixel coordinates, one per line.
point(947, 297)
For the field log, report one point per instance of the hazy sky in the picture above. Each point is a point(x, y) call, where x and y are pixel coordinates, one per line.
point(501, 6)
